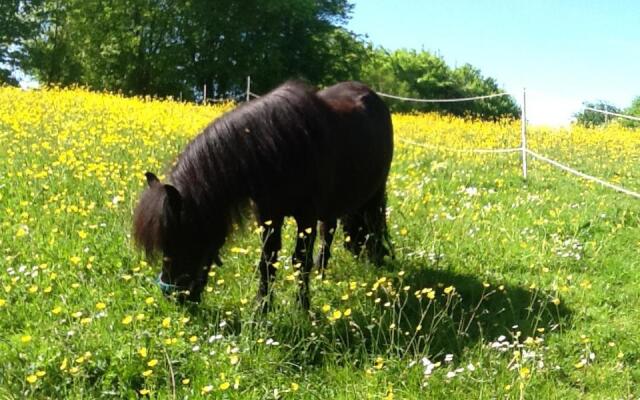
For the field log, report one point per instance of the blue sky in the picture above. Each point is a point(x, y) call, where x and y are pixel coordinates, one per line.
point(563, 52)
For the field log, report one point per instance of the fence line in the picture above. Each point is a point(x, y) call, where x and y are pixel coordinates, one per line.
point(454, 150)
point(531, 153)
point(442, 100)
point(583, 175)
point(612, 113)
point(249, 94)
point(220, 100)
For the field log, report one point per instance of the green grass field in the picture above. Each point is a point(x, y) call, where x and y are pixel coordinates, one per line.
point(500, 288)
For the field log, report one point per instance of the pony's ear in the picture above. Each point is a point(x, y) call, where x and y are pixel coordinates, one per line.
point(151, 178)
point(174, 198)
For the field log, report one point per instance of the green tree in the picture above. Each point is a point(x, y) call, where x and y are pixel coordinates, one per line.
point(347, 53)
point(379, 73)
point(172, 47)
point(591, 118)
point(634, 108)
point(14, 27)
point(126, 45)
point(164, 47)
point(420, 74)
point(271, 41)
point(634, 111)
point(48, 53)
point(472, 83)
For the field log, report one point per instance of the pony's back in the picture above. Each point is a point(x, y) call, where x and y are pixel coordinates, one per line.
point(362, 138)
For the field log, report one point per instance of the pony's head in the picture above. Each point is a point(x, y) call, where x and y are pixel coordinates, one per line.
point(164, 223)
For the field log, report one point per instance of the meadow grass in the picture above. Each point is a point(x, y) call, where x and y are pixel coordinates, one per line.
point(500, 288)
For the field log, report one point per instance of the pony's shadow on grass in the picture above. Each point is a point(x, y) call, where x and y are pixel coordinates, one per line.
point(452, 313)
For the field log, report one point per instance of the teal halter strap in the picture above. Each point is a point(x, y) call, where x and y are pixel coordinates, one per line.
point(166, 288)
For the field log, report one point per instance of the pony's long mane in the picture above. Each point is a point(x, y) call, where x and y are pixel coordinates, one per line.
point(237, 156)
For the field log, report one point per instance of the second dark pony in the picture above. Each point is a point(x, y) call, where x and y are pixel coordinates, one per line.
point(318, 156)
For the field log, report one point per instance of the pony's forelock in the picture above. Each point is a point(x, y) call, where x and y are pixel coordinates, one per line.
point(148, 232)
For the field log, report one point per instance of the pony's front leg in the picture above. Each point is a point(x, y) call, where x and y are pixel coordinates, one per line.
point(271, 244)
point(303, 258)
point(327, 230)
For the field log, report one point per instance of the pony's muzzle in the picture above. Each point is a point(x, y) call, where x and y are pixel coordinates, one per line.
point(190, 292)
point(167, 289)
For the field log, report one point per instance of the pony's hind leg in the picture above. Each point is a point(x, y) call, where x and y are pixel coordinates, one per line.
point(271, 244)
point(303, 257)
point(327, 230)
point(367, 228)
point(378, 243)
point(354, 232)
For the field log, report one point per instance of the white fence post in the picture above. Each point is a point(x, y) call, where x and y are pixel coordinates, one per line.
point(524, 133)
point(248, 87)
point(204, 96)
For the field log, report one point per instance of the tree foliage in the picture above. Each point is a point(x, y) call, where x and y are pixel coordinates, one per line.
point(15, 26)
point(174, 47)
point(634, 111)
point(409, 73)
point(165, 47)
point(591, 118)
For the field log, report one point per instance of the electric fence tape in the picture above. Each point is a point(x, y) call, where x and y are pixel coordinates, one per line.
point(583, 175)
point(489, 96)
point(454, 150)
point(612, 113)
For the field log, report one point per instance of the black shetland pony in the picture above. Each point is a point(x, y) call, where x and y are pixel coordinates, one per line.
point(314, 155)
